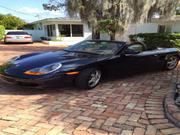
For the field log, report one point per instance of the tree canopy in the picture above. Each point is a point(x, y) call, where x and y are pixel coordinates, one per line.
point(11, 22)
point(2, 31)
point(114, 16)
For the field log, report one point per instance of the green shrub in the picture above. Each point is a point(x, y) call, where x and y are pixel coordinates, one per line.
point(1, 70)
point(3, 67)
point(2, 32)
point(154, 40)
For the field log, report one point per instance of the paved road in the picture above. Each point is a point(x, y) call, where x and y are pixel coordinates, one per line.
point(128, 105)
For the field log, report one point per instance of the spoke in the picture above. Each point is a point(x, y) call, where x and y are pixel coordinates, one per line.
point(171, 63)
point(95, 77)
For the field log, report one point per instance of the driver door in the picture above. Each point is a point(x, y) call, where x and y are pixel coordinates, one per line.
point(132, 59)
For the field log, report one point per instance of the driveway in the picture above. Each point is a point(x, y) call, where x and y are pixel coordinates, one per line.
point(122, 105)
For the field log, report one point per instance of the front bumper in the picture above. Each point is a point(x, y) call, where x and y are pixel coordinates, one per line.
point(61, 80)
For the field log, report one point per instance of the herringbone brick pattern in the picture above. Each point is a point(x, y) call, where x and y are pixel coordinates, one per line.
point(131, 105)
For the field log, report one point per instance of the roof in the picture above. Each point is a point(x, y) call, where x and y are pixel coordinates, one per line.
point(60, 19)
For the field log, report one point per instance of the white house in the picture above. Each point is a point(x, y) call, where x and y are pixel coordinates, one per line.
point(65, 30)
point(68, 31)
point(156, 26)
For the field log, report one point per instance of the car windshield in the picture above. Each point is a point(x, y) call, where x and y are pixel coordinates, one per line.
point(17, 33)
point(96, 47)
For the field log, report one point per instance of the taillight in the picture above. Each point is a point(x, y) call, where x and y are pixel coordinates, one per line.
point(27, 37)
point(8, 37)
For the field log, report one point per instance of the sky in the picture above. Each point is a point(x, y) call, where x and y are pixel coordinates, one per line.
point(28, 10)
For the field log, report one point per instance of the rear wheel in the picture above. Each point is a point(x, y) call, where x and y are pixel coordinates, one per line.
point(88, 78)
point(171, 62)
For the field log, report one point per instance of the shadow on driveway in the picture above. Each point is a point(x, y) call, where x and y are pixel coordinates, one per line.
point(8, 89)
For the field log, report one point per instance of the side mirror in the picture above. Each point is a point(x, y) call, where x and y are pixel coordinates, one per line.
point(131, 52)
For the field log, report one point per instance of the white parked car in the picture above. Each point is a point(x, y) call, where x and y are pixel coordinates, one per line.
point(18, 37)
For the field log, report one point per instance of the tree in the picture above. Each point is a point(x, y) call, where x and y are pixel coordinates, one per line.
point(114, 15)
point(2, 31)
point(11, 22)
point(28, 26)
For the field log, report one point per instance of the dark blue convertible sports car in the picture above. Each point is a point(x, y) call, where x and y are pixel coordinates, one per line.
point(84, 63)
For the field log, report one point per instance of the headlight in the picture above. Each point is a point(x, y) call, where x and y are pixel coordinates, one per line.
point(44, 70)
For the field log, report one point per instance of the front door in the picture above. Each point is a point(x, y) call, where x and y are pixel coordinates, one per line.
point(132, 60)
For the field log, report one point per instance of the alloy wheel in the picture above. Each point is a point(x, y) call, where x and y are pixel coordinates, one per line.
point(172, 61)
point(94, 78)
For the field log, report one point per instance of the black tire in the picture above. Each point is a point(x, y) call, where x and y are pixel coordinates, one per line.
point(82, 81)
point(169, 58)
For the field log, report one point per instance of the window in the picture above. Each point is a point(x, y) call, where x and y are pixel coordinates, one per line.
point(97, 47)
point(64, 30)
point(77, 30)
point(136, 47)
point(50, 29)
point(17, 33)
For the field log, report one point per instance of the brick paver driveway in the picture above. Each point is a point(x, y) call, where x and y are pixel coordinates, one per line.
point(130, 105)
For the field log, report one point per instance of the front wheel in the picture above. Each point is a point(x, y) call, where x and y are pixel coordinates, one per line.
point(171, 62)
point(88, 78)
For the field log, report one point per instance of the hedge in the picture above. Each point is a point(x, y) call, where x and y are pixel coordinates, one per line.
point(154, 40)
point(2, 32)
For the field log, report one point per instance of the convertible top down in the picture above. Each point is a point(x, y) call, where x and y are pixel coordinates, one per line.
point(84, 63)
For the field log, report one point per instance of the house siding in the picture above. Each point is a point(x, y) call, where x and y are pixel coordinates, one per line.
point(176, 27)
point(138, 28)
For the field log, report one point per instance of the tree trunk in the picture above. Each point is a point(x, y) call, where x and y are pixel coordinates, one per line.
point(95, 34)
point(113, 36)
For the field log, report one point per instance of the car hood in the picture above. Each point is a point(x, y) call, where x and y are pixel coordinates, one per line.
point(69, 60)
